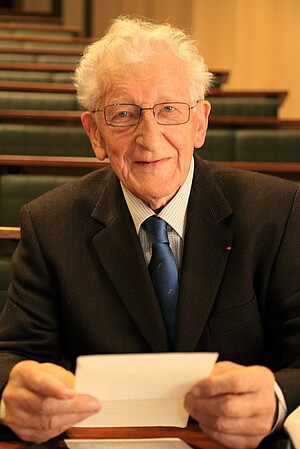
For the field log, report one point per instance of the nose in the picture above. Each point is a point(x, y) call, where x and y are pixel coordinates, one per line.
point(148, 131)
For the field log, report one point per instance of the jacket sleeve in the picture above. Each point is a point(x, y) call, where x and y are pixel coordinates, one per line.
point(283, 317)
point(29, 322)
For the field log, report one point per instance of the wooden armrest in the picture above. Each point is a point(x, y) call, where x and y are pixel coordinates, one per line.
point(265, 167)
point(9, 232)
point(40, 51)
point(51, 39)
point(53, 161)
point(44, 117)
point(220, 93)
point(30, 86)
point(37, 66)
point(233, 122)
point(75, 30)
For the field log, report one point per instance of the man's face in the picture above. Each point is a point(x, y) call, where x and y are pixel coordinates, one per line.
point(151, 160)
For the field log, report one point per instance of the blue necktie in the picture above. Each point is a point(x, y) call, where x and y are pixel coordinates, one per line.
point(163, 271)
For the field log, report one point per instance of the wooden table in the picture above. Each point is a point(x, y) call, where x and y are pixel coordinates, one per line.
point(191, 435)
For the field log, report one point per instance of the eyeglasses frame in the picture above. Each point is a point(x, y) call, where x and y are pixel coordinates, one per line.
point(146, 109)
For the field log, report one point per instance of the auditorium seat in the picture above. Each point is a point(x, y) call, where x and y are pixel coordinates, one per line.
point(36, 76)
point(218, 146)
point(48, 140)
point(61, 77)
point(40, 44)
point(250, 107)
point(267, 145)
point(42, 30)
point(39, 58)
point(21, 75)
point(16, 190)
point(38, 101)
point(16, 57)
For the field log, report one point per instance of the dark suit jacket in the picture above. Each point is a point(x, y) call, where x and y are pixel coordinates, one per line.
point(80, 284)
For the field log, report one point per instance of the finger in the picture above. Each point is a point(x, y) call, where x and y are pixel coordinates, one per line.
point(251, 426)
point(224, 366)
point(239, 441)
point(48, 428)
point(231, 406)
point(66, 376)
point(53, 414)
point(32, 376)
point(37, 404)
point(237, 381)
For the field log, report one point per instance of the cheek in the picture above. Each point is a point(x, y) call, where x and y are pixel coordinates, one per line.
point(183, 141)
point(118, 151)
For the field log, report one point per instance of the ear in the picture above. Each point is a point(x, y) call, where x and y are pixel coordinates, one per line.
point(202, 109)
point(90, 126)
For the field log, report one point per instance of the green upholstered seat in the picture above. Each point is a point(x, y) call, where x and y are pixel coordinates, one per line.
point(22, 75)
point(34, 32)
point(218, 145)
point(268, 145)
point(246, 107)
point(41, 59)
point(56, 59)
point(39, 44)
point(10, 43)
point(38, 140)
point(42, 33)
point(53, 45)
point(61, 77)
point(38, 101)
point(16, 190)
point(16, 57)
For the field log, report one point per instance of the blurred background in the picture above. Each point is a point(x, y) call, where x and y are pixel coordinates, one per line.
point(256, 41)
point(252, 47)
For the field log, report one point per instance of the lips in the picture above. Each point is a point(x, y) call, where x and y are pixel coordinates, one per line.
point(154, 163)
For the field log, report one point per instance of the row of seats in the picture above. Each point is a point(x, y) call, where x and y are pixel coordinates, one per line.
point(220, 145)
point(12, 28)
point(39, 58)
point(236, 106)
point(15, 190)
point(36, 76)
point(30, 140)
point(26, 42)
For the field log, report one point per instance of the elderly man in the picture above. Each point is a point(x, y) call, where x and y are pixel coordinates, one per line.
point(80, 278)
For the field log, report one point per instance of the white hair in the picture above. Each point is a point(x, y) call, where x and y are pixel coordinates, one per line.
point(132, 40)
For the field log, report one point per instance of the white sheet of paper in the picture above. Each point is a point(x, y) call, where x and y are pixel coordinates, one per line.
point(139, 390)
point(141, 443)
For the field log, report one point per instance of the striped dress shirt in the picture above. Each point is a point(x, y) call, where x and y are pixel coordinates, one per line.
point(174, 213)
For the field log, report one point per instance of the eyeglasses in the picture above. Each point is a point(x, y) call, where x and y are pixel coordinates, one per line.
point(122, 115)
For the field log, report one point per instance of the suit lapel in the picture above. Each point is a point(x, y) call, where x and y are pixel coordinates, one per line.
point(205, 256)
point(119, 250)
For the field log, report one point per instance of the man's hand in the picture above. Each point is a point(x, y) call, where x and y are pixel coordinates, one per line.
point(41, 403)
point(236, 405)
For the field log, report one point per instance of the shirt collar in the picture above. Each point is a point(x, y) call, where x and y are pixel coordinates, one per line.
point(174, 213)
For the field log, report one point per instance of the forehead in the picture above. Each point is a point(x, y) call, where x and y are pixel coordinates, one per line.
point(161, 77)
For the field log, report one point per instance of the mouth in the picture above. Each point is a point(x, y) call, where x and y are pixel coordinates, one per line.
point(155, 163)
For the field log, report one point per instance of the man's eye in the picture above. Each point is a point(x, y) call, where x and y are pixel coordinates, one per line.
point(123, 114)
point(168, 108)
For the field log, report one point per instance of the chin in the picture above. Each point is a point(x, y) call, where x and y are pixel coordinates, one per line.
point(157, 198)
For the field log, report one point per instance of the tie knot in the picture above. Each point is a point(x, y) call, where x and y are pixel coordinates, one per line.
point(157, 229)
